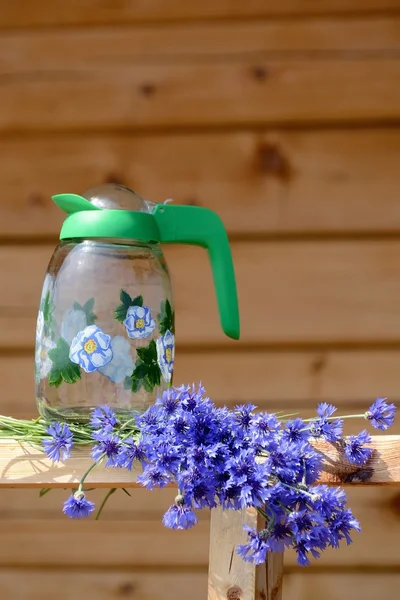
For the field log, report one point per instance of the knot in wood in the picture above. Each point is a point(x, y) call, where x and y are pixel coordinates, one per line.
point(234, 593)
point(271, 160)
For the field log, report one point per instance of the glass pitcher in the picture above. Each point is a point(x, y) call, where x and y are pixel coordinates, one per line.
point(105, 328)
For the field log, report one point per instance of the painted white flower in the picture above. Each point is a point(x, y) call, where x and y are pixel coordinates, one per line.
point(166, 354)
point(43, 362)
point(74, 321)
point(139, 323)
point(122, 364)
point(39, 326)
point(91, 349)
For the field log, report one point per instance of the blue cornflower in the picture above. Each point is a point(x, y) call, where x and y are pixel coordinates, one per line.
point(243, 414)
point(355, 450)
point(190, 399)
point(255, 551)
point(103, 417)
point(77, 506)
point(61, 441)
point(305, 523)
point(340, 524)
point(280, 537)
point(381, 414)
point(166, 456)
point(179, 516)
point(296, 431)
point(330, 430)
point(108, 445)
point(198, 487)
point(328, 500)
point(169, 401)
point(180, 424)
point(284, 460)
point(325, 410)
point(129, 452)
point(264, 427)
point(251, 478)
point(153, 477)
point(303, 548)
point(309, 463)
point(151, 422)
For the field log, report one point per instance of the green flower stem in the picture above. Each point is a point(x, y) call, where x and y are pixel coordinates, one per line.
point(263, 514)
point(335, 418)
point(102, 505)
point(125, 425)
point(95, 464)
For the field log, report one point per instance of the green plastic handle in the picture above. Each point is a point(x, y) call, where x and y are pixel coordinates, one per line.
point(202, 227)
point(168, 224)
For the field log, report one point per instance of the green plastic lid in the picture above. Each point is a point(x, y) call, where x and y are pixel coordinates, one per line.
point(115, 212)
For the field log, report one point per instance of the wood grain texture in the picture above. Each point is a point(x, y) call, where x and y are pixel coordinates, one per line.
point(22, 465)
point(124, 540)
point(345, 292)
point(230, 577)
point(22, 13)
point(272, 183)
point(100, 585)
point(382, 468)
point(266, 92)
point(49, 83)
point(26, 584)
point(308, 585)
point(75, 48)
point(121, 544)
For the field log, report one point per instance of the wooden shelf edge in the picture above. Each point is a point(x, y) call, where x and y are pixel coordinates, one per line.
point(22, 465)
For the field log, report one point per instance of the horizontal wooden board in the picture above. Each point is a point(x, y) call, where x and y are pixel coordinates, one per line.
point(22, 13)
point(84, 48)
point(127, 543)
point(25, 466)
point(345, 292)
point(273, 183)
point(58, 82)
point(99, 585)
point(180, 585)
point(142, 505)
point(274, 381)
point(332, 586)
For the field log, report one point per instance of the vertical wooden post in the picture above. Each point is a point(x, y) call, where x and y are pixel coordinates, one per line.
point(229, 576)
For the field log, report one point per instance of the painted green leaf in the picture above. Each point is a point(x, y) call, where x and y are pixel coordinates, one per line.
point(121, 310)
point(125, 298)
point(136, 384)
point(63, 368)
point(166, 318)
point(87, 308)
point(138, 301)
point(148, 354)
point(147, 372)
point(147, 385)
point(47, 308)
point(154, 375)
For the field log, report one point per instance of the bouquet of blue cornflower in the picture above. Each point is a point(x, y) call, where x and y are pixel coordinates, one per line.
point(232, 458)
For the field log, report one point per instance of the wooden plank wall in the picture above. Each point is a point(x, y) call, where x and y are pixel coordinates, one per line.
point(281, 116)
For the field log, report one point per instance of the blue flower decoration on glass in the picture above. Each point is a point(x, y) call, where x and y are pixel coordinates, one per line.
point(91, 349)
point(122, 364)
point(165, 354)
point(139, 323)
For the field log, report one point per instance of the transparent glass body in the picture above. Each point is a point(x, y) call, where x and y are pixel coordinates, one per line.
point(102, 302)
